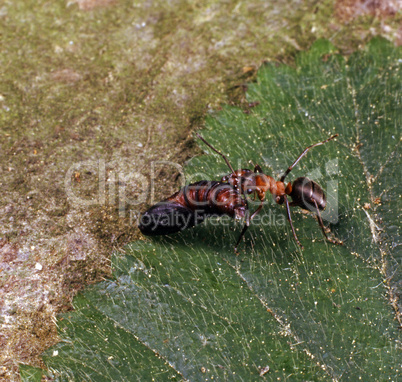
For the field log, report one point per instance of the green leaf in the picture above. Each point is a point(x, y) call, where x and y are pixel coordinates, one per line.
point(30, 373)
point(186, 307)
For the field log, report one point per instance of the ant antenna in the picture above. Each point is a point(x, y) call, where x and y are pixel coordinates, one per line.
point(303, 154)
point(218, 152)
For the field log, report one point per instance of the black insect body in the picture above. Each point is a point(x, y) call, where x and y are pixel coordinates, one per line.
point(193, 203)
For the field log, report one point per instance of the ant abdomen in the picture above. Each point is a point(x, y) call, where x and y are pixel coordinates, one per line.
point(305, 191)
point(167, 217)
point(191, 205)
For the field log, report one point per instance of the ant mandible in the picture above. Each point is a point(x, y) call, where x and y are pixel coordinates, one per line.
point(304, 192)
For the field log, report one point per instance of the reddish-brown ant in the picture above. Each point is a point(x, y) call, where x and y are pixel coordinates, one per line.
point(304, 192)
point(193, 203)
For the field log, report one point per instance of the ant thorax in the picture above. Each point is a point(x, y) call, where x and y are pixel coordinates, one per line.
point(249, 181)
point(243, 180)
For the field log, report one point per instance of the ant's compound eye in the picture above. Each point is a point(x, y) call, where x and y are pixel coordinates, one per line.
point(249, 191)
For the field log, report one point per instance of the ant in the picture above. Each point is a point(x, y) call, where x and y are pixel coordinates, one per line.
point(304, 192)
point(193, 203)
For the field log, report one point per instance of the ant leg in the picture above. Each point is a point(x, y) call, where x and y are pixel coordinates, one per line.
point(218, 152)
point(257, 211)
point(248, 221)
point(255, 196)
point(333, 241)
point(240, 237)
point(303, 154)
point(290, 221)
point(257, 168)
